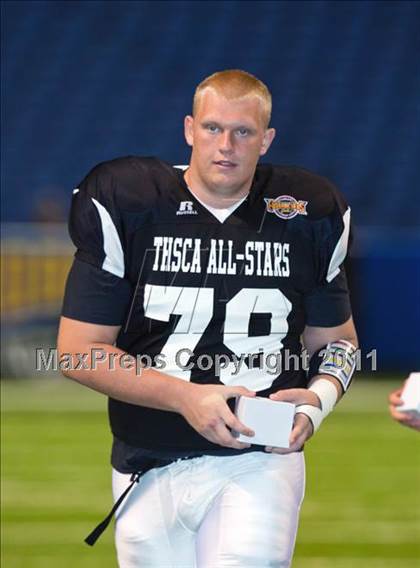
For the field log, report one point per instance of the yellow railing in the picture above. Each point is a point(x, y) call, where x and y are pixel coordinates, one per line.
point(32, 280)
point(35, 261)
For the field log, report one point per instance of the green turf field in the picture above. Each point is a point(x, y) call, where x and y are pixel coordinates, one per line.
point(363, 481)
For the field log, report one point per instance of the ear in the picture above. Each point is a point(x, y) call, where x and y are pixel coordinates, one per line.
point(189, 130)
point(268, 138)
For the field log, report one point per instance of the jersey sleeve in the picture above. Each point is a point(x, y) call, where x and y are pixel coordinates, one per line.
point(328, 303)
point(97, 290)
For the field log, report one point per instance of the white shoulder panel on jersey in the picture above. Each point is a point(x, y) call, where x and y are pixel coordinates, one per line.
point(114, 256)
point(183, 167)
point(340, 250)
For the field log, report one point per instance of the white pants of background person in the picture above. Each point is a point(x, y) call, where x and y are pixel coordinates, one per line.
point(212, 512)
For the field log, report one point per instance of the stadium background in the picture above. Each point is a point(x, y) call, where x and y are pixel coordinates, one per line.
point(84, 82)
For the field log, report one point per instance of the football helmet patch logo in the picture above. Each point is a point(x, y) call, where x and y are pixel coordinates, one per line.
point(286, 206)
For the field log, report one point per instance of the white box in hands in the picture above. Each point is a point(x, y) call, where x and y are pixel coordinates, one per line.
point(411, 394)
point(271, 420)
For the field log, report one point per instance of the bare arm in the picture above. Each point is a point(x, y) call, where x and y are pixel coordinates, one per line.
point(316, 337)
point(122, 384)
point(203, 406)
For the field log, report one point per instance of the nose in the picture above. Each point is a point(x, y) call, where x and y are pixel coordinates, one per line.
point(226, 145)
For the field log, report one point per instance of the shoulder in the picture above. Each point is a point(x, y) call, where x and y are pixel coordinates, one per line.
point(128, 181)
point(131, 167)
point(321, 196)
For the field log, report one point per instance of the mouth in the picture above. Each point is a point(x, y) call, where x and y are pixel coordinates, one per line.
point(225, 164)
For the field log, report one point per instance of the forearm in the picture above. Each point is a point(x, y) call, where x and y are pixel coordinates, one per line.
point(135, 385)
point(317, 338)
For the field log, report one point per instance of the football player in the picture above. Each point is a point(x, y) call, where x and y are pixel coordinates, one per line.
point(208, 273)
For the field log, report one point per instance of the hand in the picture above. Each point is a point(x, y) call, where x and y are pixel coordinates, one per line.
point(410, 419)
point(302, 426)
point(204, 407)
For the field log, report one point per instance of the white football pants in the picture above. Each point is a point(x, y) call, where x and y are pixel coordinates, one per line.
point(212, 512)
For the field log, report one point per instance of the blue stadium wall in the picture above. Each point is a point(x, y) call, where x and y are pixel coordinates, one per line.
point(84, 82)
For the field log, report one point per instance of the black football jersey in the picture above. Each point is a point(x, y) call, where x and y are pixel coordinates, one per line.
point(200, 299)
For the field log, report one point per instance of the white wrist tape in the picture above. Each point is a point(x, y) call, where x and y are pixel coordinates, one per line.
point(327, 394)
point(312, 412)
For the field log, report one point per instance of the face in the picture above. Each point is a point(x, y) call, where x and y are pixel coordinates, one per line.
point(227, 139)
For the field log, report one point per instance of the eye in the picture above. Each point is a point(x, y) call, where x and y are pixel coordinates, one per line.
point(242, 132)
point(213, 128)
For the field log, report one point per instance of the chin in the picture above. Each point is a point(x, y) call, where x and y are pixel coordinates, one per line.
point(227, 186)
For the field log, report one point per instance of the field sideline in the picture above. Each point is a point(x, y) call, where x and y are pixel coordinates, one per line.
point(362, 497)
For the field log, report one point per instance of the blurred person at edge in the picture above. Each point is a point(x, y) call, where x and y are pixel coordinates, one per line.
point(410, 419)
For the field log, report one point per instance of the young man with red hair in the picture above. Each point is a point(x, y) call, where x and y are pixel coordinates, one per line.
point(223, 259)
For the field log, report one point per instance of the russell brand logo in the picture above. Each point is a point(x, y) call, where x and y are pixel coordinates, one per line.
point(186, 208)
point(286, 206)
